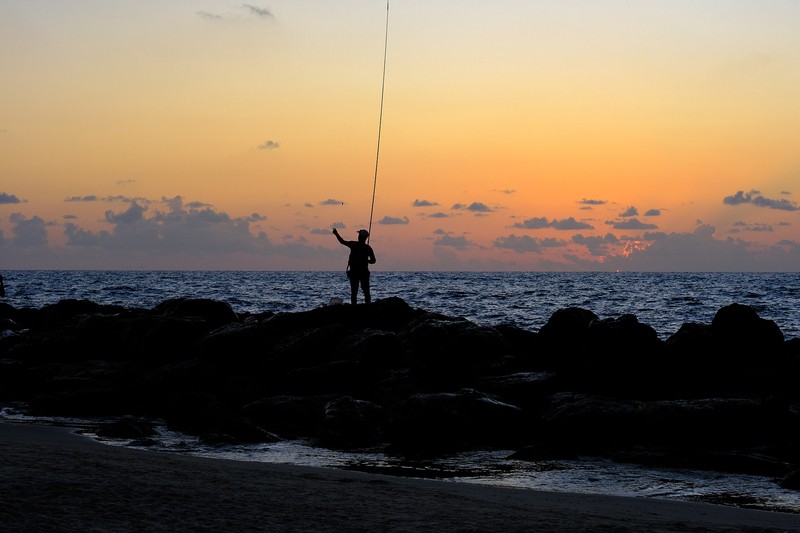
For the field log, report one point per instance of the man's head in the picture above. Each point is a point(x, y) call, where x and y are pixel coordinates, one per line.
point(362, 235)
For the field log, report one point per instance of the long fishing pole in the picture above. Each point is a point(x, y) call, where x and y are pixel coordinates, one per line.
point(380, 120)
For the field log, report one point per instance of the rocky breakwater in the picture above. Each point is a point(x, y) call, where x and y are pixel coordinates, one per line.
point(719, 396)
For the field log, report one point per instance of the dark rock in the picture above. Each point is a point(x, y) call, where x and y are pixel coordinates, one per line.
point(215, 313)
point(429, 423)
point(127, 428)
point(350, 424)
point(791, 480)
point(288, 416)
point(416, 382)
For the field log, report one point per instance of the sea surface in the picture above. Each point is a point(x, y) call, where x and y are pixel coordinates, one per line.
point(664, 301)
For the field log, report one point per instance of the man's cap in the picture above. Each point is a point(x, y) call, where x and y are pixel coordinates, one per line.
point(363, 232)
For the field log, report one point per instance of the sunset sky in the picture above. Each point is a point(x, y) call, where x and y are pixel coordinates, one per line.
point(516, 134)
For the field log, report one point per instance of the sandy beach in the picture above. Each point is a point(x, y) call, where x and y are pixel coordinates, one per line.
point(52, 479)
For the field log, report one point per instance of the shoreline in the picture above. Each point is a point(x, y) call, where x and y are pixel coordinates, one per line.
point(52, 478)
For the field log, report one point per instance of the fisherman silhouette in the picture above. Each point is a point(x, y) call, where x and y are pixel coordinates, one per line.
point(361, 256)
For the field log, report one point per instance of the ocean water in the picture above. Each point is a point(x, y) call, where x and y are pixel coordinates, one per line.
point(664, 301)
point(527, 299)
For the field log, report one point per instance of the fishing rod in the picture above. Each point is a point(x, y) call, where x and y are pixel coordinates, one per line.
point(380, 121)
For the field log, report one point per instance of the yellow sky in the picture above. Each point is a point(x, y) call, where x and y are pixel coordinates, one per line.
point(522, 135)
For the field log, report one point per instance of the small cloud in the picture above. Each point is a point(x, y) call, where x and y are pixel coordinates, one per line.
point(597, 246)
point(755, 198)
point(570, 224)
point(533, 223)
point(633, 223)
point(269, 145)
point(475, 207)
point(438, 214)
point(630, 212)
point(393, 220)
point(6, 198)
point(760, 227)
point(524, 244)
point(207, 15)
point(177, 202)
point(542, 222)
point(586, 201)
point(88, 198)
point(652, 213)
point(741, 225)
point(460, 243)
point(507, 191)
point(551, 242)
point(424, 203)
point(308, 204)
point(28, 231)
point(331, 201)
point(259, 11)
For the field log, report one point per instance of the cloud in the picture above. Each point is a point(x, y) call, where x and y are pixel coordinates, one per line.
point(699, 251)
point(424, 203)
point(393, 220)
point(652, 213)
point(630, 212)
point(182, 229)
point(542, 222)
point(87, 198)
point(461, 243)
point(586, 201)
point(533, 223)
point(269, 145)
point(596, 245)
point(331, 201)
point(259, 11)
point(754, 197)
point(525, 244)
point(570, 224)
point(438, 214)
point(741, 225)
point(6, 198)
point(28, 231)
point(476, 207)
point(632, 223)
point(133, 214)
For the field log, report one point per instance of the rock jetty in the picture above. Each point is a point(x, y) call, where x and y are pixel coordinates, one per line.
point(723, 396)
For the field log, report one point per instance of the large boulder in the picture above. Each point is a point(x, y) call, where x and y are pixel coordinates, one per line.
point(430, 423)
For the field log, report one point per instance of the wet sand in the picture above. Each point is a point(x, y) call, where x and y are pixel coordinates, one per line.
point(54, 480)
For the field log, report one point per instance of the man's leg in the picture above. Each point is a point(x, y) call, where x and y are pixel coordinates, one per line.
point(365, 288)
point(353, 289)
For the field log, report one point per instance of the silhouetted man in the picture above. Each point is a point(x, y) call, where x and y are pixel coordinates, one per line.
point(361, 256)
